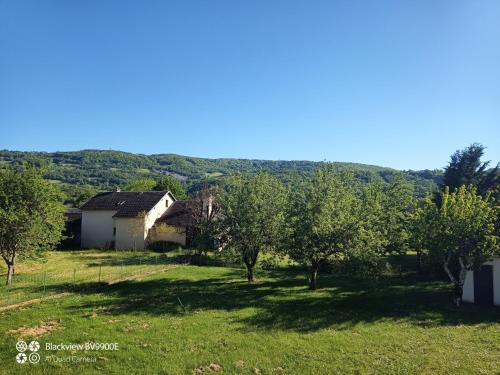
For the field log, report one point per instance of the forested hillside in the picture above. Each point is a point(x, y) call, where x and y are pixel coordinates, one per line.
point(104, 169)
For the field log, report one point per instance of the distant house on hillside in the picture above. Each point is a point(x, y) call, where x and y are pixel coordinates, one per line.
point(131, 220)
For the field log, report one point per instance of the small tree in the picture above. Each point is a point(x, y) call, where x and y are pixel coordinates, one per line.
point(169, 183)
point(31, 215)
point(203, 217)
point(323, 220)
point(253, 216)
point(144, 184)
point(460, 232)
point(420, 227)
point(385, 215)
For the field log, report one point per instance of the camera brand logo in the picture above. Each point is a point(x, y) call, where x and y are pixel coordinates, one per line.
point(32, 357)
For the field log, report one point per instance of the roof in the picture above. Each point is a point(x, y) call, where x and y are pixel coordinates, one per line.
point(127, 204)
point(73, 214)
point(177, 215)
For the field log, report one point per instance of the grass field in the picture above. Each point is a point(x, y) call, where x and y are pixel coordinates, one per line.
point(188, 319)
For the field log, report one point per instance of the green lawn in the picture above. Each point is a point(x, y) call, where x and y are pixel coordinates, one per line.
point(186, 318)
point(34, 279)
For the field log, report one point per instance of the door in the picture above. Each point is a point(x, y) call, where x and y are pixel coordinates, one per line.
point(483, 286)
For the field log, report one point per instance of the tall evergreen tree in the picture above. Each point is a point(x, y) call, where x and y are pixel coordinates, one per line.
point(466, 168)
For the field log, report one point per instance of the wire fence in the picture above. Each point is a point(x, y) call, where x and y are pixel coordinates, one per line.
point(43, 282)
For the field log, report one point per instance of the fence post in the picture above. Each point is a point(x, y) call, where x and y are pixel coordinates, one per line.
point(74, 275)
point(44, 280)
point(100, 273)
point(122, 268)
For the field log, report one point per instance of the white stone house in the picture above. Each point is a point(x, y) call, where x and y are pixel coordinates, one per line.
point(482, 286)
point(131, 220)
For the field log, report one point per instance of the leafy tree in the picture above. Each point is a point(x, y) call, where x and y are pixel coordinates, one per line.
point(421, 224)
point(459, 232)
point(466, 168)
point(84, 196)
point(323, 220)
point(253, 216)
point(204, 218)
point(31, 215)
point(385, 215)
point(169, 183)
point(144, 184)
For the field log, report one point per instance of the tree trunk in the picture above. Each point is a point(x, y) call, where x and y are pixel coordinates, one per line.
point(250, 259)
point(419, 262)
point(10, 272)
point(457, 294)
point(313, 277)
point(250, 274)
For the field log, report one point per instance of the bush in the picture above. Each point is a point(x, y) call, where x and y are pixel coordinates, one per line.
point(362, 265)
point(163, 246)
point(270, 263)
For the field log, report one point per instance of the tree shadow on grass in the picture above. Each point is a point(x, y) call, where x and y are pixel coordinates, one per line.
point(285, 304)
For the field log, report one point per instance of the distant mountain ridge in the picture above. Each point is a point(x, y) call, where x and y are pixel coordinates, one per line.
point(106, 169)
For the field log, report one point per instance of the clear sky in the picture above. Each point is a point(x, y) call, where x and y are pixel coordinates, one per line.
point(400, 83)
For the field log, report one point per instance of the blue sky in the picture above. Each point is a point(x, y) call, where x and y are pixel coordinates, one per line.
point(395, 83)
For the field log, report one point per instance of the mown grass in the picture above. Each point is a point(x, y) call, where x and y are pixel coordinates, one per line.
point(34, 279)
point(189, 317)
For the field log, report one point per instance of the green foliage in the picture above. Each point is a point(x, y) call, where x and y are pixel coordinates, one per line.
point(144, 184)
point(385, 216)
point(163, 246)
point(31, 215)
point(107, 170)
point(253, 216)
point(323, 220)
point(460, 232)
point(169, 183)
point(466, 168)
point(76, 196)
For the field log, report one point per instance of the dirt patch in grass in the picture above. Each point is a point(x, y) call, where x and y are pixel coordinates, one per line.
point(42, 329)
point(33, 301)
point(213, 367)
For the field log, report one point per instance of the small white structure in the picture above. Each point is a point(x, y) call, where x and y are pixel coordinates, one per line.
point(129, 220)
point(482, 286)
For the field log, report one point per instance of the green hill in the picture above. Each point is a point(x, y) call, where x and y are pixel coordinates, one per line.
point(108, 169)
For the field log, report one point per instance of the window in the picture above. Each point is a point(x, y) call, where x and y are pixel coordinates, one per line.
point(166, 202)
point(114, 231)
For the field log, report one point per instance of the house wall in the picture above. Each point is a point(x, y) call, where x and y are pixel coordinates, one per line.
point(133, 233)
point(129, 233)
point(158, 210)
point(97, 228)
point(168, 233)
